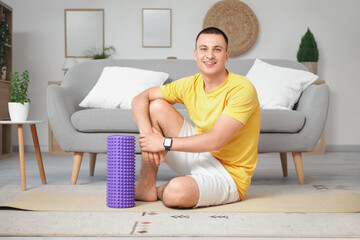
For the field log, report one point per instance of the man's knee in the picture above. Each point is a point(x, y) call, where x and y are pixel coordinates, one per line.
point(157, 106)
point(178, 193)
point(165, 118)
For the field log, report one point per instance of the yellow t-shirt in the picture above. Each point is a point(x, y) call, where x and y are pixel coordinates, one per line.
point(236, 98)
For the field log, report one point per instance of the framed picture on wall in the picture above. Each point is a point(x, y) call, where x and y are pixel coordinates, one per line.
point(156, 27)
point(84, 30)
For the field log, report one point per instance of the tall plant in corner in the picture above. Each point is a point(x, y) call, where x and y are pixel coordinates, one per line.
point(308, 53)
point(4, 46)
point(19, 100)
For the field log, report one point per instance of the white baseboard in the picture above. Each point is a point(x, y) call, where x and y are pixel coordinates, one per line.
point(342, 148)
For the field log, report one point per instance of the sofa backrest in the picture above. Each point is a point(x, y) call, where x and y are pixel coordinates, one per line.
point(83, 76)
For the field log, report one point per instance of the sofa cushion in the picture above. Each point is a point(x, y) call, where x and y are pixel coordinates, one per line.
point(104, 120)
point(278, 87)
point(117, 86)
point(281, 121)
point(110, 120)
point(120, 121)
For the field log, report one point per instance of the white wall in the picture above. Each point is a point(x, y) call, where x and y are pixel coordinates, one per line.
point(39, 46)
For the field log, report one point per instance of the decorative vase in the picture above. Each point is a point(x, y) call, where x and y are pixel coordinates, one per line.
point(312, 66)
point(18, 112)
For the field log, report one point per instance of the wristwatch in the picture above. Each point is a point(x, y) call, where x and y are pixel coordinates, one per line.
point(167, 143)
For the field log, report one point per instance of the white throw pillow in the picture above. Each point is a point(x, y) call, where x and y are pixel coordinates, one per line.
point(117, 86)
point(278, 87)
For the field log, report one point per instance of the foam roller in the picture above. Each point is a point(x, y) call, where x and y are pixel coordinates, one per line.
point(120, 185)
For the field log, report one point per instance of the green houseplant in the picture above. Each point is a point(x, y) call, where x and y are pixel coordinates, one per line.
point(4, 46)
point(308, 53)
point(19, 100)
point(106, 53)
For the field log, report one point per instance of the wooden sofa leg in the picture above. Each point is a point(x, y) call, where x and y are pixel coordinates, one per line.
point(92, 163)
point(283, 158)
point(76, 166)
point(299, 166)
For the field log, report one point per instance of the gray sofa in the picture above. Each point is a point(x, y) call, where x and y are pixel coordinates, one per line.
point(82, 130)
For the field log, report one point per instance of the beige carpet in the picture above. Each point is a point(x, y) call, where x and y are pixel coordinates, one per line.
point(305, 199)
point(274, 213)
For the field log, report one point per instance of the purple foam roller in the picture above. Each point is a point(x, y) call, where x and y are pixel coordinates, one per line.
point(120, 185)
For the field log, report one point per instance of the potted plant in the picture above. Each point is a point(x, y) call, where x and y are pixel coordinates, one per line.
point(106, 53)
point(4, 46)
point(19, 102)
point(308, 53)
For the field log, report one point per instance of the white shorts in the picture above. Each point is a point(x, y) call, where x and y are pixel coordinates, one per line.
point(215, 183)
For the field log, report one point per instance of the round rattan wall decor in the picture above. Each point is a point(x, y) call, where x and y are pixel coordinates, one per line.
point(238, 22)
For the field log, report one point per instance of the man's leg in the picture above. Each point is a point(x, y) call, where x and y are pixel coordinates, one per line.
point(165, 119)
point(182, 192)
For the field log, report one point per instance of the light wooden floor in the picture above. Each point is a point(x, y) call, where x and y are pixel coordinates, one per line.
point(334, 168)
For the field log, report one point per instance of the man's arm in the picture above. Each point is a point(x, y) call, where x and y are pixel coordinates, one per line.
point(140, 112)
point(224, 129)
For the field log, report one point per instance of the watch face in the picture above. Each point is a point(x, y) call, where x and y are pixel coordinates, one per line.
point(167, 142)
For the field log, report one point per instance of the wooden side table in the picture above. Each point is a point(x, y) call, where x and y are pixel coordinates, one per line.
point(22, 152)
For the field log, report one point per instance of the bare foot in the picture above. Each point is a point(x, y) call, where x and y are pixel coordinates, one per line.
point(160, 190)
point(145, 191)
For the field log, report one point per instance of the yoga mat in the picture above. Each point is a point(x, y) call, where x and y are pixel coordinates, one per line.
point(348, 202)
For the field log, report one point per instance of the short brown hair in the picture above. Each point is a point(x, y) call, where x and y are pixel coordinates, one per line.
point(213, 30)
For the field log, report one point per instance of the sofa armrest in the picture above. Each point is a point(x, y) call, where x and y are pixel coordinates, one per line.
point(60, 106)
point(314, 104)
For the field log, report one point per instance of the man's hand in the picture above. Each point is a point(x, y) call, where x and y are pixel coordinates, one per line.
point(154, 158)
point(151, 142)
point(151, 145)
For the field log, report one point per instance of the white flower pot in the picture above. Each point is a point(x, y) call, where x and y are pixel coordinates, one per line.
point(18, 112)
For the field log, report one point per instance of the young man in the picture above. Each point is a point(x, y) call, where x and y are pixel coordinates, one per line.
point(216, 159)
